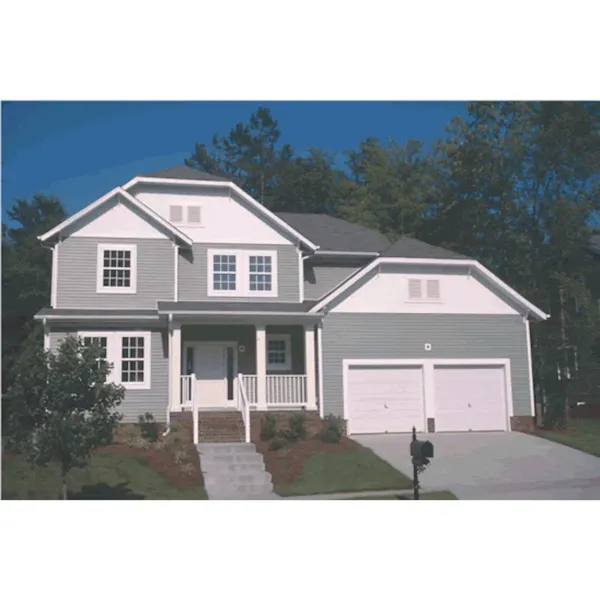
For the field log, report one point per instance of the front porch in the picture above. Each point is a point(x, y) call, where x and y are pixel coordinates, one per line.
point(226, 367)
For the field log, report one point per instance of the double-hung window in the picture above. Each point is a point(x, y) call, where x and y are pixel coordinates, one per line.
point(128, 352)
point(224, 272)
point(279, 352)
point(117, 269)
point(244, 273)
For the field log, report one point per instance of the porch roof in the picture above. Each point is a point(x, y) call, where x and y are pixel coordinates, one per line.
point(239, 308)
point(61, 314)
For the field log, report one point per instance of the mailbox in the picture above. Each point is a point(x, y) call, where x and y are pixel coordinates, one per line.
point(421, 450)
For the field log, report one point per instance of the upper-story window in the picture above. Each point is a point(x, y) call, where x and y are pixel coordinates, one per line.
point(242, 273)
point(117, 269)
point(424, 290)
point(260, 273)
point(224, 272)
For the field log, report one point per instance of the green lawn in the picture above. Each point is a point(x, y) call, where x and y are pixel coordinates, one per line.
point(108, 477)
point(581, 434)
point(356, 470)
point(423, 496)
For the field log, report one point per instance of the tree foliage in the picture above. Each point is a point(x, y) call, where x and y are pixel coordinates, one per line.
point(26, 274)
point(61, 406)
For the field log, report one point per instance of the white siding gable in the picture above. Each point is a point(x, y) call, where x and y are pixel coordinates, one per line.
point(223, 218)
point(116, 220)
point(394, 290)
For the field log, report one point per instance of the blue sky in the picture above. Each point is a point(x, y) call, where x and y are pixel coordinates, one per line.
point(78, 151)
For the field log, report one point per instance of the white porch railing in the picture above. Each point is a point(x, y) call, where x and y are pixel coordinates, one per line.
point(187, 389)
point(281, 390)
point(244, 407)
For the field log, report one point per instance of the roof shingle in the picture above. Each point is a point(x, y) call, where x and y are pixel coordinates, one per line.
point(407, 247)
point(333, 234)
point(184, 172)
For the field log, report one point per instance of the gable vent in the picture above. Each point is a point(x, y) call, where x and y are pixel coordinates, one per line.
point(193, 215)
point(414, 289)
point(176, 214)
point(433, 289)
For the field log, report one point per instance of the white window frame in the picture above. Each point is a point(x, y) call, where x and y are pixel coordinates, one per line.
point(100, 288)
point(114, 345)
point(272, 254)
point(279, 337)
point(210, 283)
point(242, 274)
point(424, 291)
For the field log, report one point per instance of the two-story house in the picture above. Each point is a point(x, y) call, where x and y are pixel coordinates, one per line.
point(201, 296)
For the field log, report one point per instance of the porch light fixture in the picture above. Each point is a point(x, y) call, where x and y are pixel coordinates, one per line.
point(427, 347)
point(242, 348)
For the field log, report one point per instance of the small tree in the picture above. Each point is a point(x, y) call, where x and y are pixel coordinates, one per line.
point(61, 406)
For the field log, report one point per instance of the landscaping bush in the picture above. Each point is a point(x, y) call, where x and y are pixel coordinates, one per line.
point(268, 428)
point(149, 428)
point(298, 427)
point(278, 442)
point(333, 430)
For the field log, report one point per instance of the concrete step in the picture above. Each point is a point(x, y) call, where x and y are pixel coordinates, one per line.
point(242, 490)
point(218, 480)
point(233, 496)
point(228, 448)
point(212, 460)
point(209, 468)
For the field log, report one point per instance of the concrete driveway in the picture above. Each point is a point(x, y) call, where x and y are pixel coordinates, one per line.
point(496, 466)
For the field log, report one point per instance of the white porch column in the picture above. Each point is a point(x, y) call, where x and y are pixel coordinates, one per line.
point(175, 366)
point(261, 368)
point(309, 367)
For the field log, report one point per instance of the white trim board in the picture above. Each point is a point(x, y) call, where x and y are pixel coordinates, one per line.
point(233, 187)
point(356, 277)
point(530, 366)
point(118, 191)
point(428, 366)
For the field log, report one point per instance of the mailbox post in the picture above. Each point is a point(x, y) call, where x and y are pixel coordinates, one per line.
point(420, 452)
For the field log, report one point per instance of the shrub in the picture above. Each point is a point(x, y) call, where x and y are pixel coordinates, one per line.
point(181, 456)
point(187, 469)
point(149, 427)
point(298, 426)
point(278, 442)
point(333, 430)
point(268, 428)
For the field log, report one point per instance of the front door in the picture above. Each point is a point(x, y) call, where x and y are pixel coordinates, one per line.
point(214, 365)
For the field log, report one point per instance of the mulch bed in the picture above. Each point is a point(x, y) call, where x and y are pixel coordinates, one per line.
point(161, 460)
point(287, 465)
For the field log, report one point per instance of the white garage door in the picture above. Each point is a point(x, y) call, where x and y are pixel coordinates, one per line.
point(385, 399)
point(470, 398)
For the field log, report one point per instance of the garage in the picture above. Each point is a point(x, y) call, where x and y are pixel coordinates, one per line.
point(384, 399)
point(470, 398)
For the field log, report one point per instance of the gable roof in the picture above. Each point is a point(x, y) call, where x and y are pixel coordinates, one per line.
point(485, 273)
point(407, 247)
point(184, 172)
point(118, 191)
point(334, 234)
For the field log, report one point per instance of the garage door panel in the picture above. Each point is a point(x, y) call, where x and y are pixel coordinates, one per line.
point(469, 398)
point(385, 399)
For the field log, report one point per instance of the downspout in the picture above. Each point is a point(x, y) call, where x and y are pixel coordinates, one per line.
point(170, 345)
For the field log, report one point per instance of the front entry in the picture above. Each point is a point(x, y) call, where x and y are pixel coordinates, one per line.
point(214, 364)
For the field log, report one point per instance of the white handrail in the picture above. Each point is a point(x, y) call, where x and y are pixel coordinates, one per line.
point(244, 407)
point(194, 410)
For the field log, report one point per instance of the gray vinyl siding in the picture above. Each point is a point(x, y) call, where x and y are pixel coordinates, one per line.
point(193, 274)
point(388, 336)
point(321, 279)
point(77, 274)
point(245, 335)
point(137, 402)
